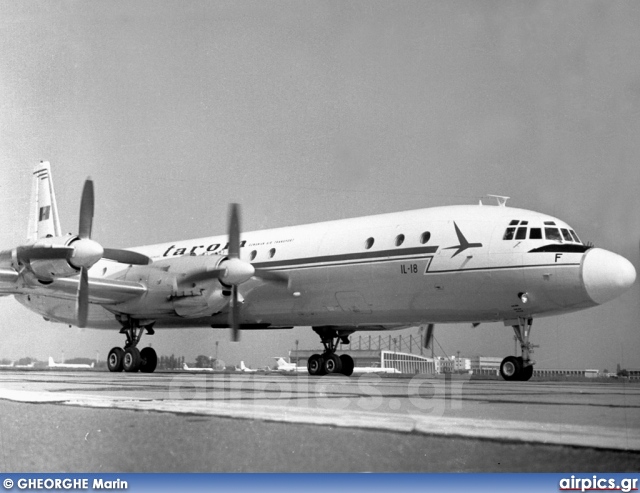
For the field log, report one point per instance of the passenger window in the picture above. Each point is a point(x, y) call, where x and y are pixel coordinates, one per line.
point(272, 252)
point(424, 237)
point(508, 234)
point(535, 234)
point(369, 243)
point(552, 234)
point(253, 255)
point(521, 234)
point(399, 240)
point(566, 235)
point(575, 236)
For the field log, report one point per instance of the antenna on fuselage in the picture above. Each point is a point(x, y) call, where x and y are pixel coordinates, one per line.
point(502, 200)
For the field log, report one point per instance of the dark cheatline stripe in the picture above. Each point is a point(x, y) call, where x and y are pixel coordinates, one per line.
point(359, 257)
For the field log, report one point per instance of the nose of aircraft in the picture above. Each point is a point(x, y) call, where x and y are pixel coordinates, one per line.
point(606, 275)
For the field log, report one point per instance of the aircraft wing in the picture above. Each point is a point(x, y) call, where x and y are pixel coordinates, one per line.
point(8, 275)
point(101, 291)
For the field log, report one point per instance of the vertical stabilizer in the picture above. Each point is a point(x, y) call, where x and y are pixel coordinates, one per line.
point(43, 221)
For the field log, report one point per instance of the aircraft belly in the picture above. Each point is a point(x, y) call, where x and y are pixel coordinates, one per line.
point(64, 311)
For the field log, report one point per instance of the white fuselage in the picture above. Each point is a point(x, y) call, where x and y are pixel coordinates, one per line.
point(376, 272)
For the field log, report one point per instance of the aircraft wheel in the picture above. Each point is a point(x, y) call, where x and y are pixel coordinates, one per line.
point(527, 373)
point(332, 363)
point(149, 360)
point(315, 365)
point(511, 368)
point(114, 360)
point(132, 360)
point(347, 364)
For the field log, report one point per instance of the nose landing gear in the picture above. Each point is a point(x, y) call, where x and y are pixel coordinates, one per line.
point(329, 362)
point(131, 359)
point(520, 368)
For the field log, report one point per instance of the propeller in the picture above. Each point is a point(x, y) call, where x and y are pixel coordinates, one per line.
point(233, 271)
point(82, 253)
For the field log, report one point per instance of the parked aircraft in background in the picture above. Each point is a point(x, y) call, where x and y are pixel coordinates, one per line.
point(53, 364)
point(187, 368)
point(376, 273)
point(245, 369)
point(10, 365)
point(374, 369)
point(288, 367)
point(30, 365)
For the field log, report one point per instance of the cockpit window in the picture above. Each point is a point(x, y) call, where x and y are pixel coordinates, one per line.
point(514, 222)
point(535, 234)
point(521, 234)
point(508, 234)
point(575, 236)
point(552, 234)
point(566, 235)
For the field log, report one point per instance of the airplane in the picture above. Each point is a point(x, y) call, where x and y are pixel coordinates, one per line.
point(454, 264)
point(187, 368)
point(10, 365)
point(53, 364)
point(288, 367)
point(374, 369)
point(30, 365)
point(245, 369)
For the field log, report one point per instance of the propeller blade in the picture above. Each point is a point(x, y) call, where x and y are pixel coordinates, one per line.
point(234, 315)
point(234, 231)
point(82, 301)
point(86, 210)
point(27, 253)
point(428, 340)
point(126, 256)
point(204, 275)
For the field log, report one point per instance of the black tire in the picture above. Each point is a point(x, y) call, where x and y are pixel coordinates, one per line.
point(527, 373)
point(149, 360)
point(332, 364)
point(347, 364)
point(131, 360)
point(315, 365)
point(114, 360)
point(511, 368)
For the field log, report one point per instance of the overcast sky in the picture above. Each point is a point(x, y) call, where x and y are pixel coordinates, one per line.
point(307, 111)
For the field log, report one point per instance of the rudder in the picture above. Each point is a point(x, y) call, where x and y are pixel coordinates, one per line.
point(43, 221)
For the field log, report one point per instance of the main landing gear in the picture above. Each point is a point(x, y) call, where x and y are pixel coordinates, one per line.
point(520, 368)
point(130, 359)
point(329, 362)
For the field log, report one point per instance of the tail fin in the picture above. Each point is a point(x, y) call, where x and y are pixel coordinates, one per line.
point(184, 366)
point(51, 362)
point(242, 367)
point(44, 220)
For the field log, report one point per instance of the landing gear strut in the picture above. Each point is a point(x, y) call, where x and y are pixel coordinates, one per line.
point(520, 368)
point(329, 362)
point(130, 359)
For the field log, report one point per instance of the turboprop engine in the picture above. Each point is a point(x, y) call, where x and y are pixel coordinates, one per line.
point(61, 256)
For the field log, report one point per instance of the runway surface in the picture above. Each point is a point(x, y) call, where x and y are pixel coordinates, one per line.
point(95, 421)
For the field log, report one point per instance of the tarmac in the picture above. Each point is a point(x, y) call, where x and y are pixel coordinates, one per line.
point(74, 421)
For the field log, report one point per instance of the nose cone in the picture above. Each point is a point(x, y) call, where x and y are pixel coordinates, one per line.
point(86, 253)
point(606, 275)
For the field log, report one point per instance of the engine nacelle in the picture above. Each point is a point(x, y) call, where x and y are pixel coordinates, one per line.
point(200, 298)
point(50, 269)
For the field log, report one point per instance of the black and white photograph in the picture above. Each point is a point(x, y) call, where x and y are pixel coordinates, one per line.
point(333, 236)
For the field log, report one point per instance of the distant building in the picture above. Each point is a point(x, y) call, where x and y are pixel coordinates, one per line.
point(634, 374)
point(407, 363)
